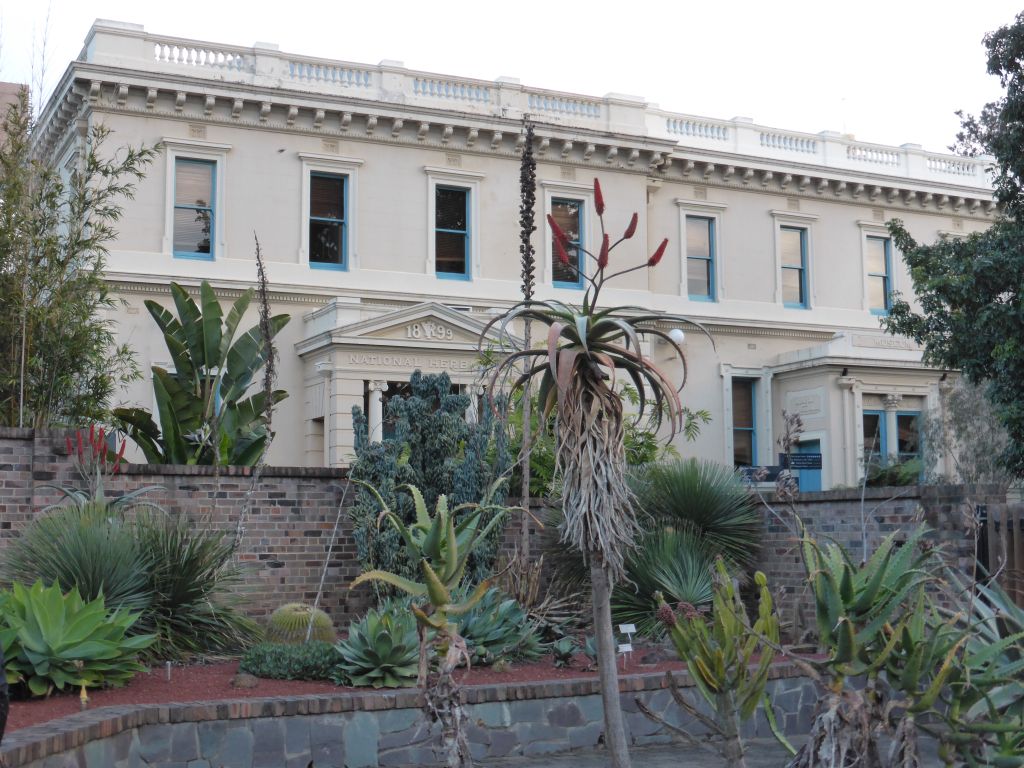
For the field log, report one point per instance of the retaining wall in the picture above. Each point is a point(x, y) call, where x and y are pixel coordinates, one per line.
point(371, 729)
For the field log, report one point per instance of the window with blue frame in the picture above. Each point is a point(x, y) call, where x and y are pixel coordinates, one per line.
point(328, 246)
point(568, 214)
point(194, 182)
point(874, 439)
point(793, 252)
point(744, 422)
point(451, 232)
point(700, 258)
point(879, 264)
point(908, 436)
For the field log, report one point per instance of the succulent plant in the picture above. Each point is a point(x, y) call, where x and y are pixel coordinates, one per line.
point(498, 628)
point(382, 650)
point(564, 649)
point(289, 624)
point(315, 660)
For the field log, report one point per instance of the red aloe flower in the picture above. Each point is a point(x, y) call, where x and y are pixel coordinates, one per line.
point(602, 257)
point(92, 434)
point(119, 457)
point(666, 616)
point(598, 198)
point(656, 256)
point(71, 448)
point(631, 229)
point(81, 448)
point(560, 236)
point(563, 256)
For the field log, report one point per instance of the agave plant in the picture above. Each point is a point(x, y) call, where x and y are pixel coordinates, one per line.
point(496, 628)
point(381, 650)
point(205, 394)
point(587, 348)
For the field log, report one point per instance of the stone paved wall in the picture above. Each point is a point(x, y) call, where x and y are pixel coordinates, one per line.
point(367, 730)
point(838, 515)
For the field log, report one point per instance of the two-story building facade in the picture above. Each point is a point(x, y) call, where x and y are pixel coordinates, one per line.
point(386, 200)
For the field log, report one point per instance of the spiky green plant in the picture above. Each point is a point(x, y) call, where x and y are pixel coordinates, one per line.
point(496, 628)
point(441, 544)
point(708, 499)
point(587, 349)
point(381, 650)
point(289, 623)
point(674, 563)
point(727, 657)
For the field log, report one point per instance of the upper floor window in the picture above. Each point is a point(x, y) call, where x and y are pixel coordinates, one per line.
point(700, 258)
point(194, 215)
point(879, 265)
point(793, 258)
point(328, 242)
point(569, 216)
point(744, 423)
point(451, 232)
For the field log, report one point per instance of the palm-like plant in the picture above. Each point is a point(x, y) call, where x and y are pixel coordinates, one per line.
point(204, 415)
point(587, 348)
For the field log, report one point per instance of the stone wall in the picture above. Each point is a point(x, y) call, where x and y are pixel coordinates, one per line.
point(838, 515)
point(371, 729)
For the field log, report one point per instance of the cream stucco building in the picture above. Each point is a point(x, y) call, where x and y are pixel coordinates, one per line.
point(385, 201)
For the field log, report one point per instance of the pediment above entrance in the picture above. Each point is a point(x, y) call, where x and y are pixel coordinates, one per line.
point(429, 325)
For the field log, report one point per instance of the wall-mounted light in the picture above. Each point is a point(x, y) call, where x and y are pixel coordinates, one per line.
point(677, 336)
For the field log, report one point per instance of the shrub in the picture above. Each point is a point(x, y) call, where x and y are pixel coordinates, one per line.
point(381, 650)
point(195, 607)
point(708, 499)
point(290, 622)
point(52, 640)
point(497, 627)
point(179, 578)
point(670, 562)
point(280, 661)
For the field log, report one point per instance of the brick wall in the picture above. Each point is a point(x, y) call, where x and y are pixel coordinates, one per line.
point(838, 515)
point(286, 536)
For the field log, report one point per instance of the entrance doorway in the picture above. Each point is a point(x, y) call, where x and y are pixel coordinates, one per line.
point(810, 479)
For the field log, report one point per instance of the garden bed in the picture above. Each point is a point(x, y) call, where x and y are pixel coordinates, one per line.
point(213, 682)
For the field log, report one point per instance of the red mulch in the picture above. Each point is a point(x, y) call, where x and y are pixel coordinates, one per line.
point(209, 682)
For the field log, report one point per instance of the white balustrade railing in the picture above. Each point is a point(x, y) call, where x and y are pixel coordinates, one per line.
point(871, 154)
point(329, 74)
point(564, 106)
point(197, 57)
point(788, 142)
point(699, 129)
point(455, 90)
point(953, 165)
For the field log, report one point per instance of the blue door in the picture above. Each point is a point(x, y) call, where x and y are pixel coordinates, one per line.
point(810, 479)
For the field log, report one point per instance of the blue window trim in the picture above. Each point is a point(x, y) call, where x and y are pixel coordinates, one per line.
point(886, 277)
point(467, 275)
point(343, 266)
point(212, 208)
point(882, 449)
point(752, 429)
point(580, 263)
point(802, 268)
point(711, 260)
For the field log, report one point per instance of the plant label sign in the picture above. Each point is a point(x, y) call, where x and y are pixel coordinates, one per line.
point(627, 629)
point(625, 647)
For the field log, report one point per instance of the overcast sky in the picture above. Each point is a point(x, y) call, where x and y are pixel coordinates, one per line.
point(888, 72)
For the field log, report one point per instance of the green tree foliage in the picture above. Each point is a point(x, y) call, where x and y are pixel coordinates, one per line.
point(59, 360)
point(436, 449)
point(970, 290)
point(205, 416)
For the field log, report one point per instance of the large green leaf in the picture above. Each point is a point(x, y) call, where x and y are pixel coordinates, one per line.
point(211, 327)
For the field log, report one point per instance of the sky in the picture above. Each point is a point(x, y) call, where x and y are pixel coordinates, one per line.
point(888, 72)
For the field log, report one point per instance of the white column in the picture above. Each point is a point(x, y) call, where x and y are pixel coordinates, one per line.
point(376, 411)
point(849, 415)
point(892, 403)
point(476, 391)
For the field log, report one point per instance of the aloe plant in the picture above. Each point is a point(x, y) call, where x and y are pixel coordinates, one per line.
point(441, 544)
point(727, 658)
point(202, 408)
point(53, 640)
point(496, 628)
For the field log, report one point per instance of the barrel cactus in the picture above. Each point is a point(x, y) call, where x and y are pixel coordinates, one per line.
point(289, 624)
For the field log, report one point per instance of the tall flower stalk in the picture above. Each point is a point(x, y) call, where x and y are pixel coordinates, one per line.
point(527, 203)
point(587, 349)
